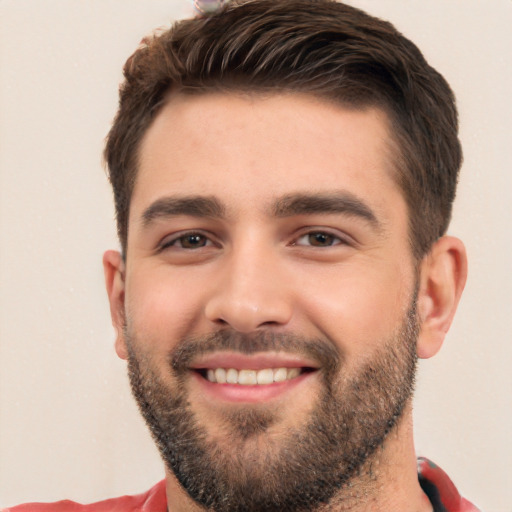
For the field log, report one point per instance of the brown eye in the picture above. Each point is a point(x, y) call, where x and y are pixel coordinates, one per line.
point(188, 241)
point(321, 239)
point(318, 239)
point(192, 241)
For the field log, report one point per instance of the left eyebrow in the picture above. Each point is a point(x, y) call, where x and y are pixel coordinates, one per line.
point(341, 202)
point(194, 206)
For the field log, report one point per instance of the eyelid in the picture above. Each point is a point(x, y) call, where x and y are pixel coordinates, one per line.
point(171, 240)
point(342, 238)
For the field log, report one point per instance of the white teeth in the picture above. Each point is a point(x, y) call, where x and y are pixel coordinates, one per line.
point(232, 376)
point(292, 373)
point(220, 376)
point(251, 377)
point(280, 374)
point(265, 376)
point(247, 377)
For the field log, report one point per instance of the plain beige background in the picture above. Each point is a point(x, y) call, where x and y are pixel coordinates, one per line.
point(68, 425)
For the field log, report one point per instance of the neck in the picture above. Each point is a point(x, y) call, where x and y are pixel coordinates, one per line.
point(388, 481)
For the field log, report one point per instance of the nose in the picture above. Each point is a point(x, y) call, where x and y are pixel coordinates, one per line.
point(250, 293)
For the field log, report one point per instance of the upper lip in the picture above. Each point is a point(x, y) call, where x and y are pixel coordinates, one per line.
point(257, 361)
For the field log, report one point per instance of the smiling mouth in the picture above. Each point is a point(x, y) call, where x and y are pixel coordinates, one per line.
point(246, 377)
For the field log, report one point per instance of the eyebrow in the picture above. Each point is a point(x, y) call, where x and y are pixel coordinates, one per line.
point(194, 206)
point(286, 206)
point(337, 202)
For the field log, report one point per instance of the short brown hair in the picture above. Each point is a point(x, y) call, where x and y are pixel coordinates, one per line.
point(321, 47)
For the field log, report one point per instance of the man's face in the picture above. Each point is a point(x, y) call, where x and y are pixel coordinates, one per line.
point(268, 247)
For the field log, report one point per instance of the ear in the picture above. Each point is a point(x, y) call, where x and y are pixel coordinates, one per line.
point(114, 269)
point(443, 274)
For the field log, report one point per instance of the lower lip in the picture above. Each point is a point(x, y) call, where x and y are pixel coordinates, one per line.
point(237, 393)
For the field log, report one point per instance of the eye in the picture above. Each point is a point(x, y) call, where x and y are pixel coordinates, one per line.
point(319, 239)
point(187, 241)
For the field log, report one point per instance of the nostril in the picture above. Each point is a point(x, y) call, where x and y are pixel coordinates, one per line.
point(270, 323)
point(248, 310)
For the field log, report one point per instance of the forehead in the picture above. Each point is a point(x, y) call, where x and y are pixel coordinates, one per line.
point(249, 149)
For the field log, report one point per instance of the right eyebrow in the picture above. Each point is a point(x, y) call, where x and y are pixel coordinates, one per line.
point(334, 202)
point(172, 206)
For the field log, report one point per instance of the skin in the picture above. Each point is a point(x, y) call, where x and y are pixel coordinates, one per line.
point(258, 266)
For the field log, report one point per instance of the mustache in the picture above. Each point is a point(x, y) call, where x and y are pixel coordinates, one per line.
point(323, 352)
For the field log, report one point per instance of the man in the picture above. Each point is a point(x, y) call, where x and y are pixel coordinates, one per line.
point(283, 174)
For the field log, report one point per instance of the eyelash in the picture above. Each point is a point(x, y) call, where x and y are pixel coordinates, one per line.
point(183, 236)
point(331, 237)
point(175, 241)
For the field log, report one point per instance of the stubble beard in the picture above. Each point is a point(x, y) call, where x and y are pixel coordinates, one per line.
point(253, 472)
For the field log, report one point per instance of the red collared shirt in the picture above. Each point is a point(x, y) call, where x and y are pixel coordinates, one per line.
point(433, 480)
point(440, 490)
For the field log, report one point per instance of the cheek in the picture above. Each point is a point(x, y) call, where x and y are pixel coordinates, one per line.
point(163, 307)
point(359, 310)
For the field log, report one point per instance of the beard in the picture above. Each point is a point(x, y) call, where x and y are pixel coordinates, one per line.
point(248, 468)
